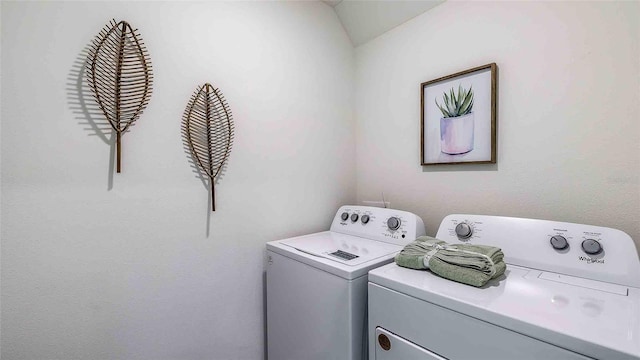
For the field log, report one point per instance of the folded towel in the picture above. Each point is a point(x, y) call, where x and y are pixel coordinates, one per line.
point(466, 263)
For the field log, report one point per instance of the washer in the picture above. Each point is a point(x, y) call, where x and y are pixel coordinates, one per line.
point(570, 291)
point(317, 284)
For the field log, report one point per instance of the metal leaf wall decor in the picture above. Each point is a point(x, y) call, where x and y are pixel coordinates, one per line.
point(207, 127)
point(120, 76)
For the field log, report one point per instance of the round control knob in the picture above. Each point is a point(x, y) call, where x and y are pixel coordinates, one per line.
point(559, 242)
point(344, 216)
point(464, 231)
point(354, 217)
point(591, 247)
point(364, 219)
point(393, 223)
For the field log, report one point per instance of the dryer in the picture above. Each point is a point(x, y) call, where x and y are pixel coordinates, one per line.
point(317, 284)
point(570, 291)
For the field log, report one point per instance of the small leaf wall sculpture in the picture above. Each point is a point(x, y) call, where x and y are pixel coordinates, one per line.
point(120, 76)
point(207, 127)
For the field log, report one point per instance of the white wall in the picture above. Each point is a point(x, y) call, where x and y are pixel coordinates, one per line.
point(94, 267)
point(93, 270)
point(568, 112)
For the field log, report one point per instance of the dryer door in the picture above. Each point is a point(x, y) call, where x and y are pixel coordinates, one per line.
point(392, 347)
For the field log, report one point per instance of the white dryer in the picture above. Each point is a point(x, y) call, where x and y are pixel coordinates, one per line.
point(569, 292)
point(317, 284)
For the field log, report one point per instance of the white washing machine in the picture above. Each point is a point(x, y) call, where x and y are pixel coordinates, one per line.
point(317, 284)
point(569, 292)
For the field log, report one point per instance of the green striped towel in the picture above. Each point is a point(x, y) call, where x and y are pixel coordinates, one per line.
point(465, 263)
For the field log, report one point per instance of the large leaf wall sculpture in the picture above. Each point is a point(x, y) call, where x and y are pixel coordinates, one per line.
point(120, 76)
point(207, 128)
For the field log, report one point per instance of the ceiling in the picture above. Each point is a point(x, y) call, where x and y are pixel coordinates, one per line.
point(367, 19)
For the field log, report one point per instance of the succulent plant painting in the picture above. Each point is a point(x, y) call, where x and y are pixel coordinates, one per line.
point(458, 117)
point(459, 105)
point(457, 123)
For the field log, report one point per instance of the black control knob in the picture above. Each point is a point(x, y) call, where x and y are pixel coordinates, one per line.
point(364, 219)
point(464, 231)
point(591, 247)
point(393, 223)
point(344, 216)
point(354, 217)
point(559, 242)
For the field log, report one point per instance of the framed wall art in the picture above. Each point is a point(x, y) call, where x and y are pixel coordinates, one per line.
point(458, 118)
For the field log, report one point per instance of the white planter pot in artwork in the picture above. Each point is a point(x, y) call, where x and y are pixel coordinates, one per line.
point(456, 134)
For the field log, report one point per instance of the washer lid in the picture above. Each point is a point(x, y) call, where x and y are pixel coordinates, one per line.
point(343, 255)
point(345, 249)
point(597, 321)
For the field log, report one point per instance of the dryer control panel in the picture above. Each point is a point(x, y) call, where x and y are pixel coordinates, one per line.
point(382, 224)
point(585, 251)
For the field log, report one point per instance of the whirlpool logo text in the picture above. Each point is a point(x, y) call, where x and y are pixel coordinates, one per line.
point(590, 260)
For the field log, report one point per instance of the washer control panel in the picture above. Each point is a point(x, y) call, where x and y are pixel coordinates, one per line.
point(585, 251)
point(388, 225)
